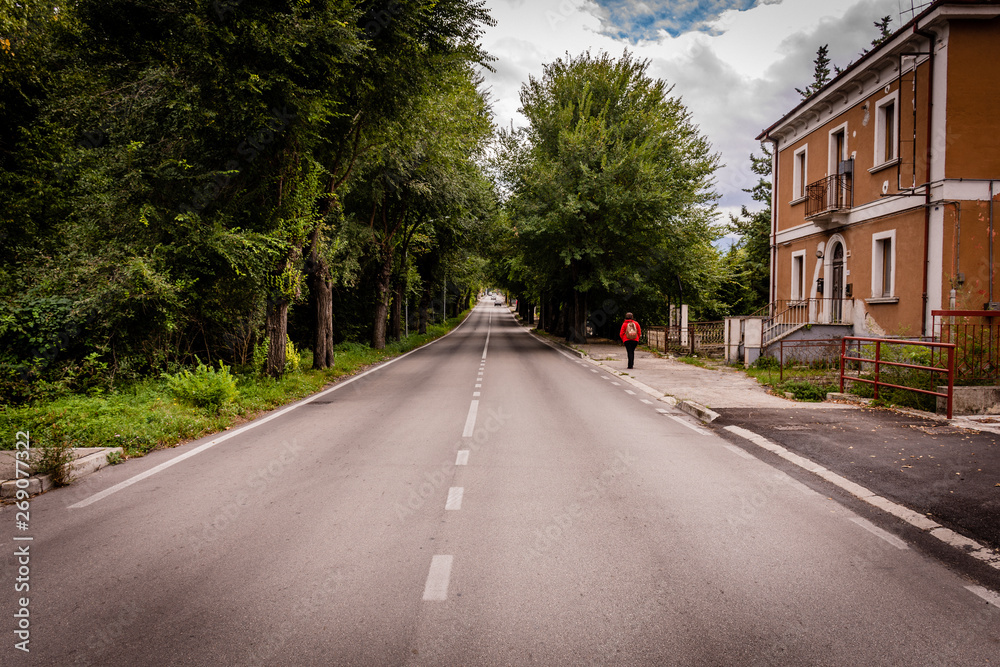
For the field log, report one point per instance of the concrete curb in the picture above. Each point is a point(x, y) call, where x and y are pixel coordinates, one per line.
point(699, 411)
point(78, 468)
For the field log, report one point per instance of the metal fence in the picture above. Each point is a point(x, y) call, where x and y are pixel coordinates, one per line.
point(883, 363)
point(976, 337)
point(697, 338)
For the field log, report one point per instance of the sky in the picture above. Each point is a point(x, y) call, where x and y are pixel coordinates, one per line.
point(735, 64)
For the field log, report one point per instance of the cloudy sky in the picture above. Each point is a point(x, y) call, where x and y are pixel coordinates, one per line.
point(734, 63)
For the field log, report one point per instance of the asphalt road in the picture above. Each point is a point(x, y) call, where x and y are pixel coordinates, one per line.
point(485, 500)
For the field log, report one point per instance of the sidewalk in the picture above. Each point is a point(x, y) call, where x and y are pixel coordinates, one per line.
point(940, 476)
point(85, 461)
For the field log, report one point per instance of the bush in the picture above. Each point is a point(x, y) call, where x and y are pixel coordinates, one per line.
point(206, 387)
point(53, 459)
point(807, 391)
point(766, 363)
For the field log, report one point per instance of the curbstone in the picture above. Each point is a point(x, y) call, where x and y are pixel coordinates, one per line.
point(699, 411)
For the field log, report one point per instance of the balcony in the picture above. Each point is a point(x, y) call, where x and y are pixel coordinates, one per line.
point(829, 199)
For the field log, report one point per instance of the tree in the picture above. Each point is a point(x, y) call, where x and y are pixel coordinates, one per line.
point(425, 174)
point(747, 264)
point(609, 189)
point(821, 73)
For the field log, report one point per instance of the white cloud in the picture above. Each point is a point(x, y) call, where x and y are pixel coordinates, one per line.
point(737, 76)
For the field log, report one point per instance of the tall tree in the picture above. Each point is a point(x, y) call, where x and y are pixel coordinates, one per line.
point(610, 186)
point(747, 264)
point(821, 73)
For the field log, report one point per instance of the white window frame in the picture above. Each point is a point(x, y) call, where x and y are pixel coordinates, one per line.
point(880, 158)
point(799, 171)
point(878, 269)
point(835, 161)
point(798, 291)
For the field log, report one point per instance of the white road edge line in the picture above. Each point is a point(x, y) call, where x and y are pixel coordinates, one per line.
point(470, 421)
point(436, 588)
point(463, 457)
point(739, 451)
point(985, 594)
point(883, 534)
point(971, 547)
point(684, 422)
point(252, 425)
point(455, 494)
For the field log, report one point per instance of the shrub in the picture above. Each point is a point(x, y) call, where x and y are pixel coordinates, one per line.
point(807, 391)
point(206, 387)
point(766, 363)
point(53, 459)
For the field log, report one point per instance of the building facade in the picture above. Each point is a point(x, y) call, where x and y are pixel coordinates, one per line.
point(885, 182)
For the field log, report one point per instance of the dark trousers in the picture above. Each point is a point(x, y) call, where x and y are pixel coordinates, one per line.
point(630, 348)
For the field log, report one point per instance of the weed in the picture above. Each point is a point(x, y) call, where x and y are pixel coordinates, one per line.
point(53, 459)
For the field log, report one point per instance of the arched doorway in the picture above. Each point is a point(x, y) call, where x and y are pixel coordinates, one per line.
point(837, 285)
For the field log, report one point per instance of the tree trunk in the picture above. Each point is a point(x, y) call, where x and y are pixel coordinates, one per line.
point(322, 289)
point(578, 320)
point(382, 294)
point(395, 313)
point(425, 302)
point(276, 327)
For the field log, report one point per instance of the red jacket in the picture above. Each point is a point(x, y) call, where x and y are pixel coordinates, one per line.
point(625, 324)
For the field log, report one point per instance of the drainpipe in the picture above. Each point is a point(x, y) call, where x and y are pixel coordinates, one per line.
point(774, 219)
point(991, 241)
point(927, 186)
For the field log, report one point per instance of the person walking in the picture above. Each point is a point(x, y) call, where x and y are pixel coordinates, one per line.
point(630, 333)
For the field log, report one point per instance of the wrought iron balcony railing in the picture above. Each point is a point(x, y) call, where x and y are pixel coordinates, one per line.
point(828, 195)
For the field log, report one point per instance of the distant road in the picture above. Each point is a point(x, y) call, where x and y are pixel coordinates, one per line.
point(485, 500)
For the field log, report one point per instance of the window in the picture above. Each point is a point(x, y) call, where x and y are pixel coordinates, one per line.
point(798, 275)
point(838, 148)
point(799, 174)
point(883, 264)
point(887, 129)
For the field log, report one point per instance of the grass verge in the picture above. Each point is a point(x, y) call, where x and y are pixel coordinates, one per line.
point(146, 416)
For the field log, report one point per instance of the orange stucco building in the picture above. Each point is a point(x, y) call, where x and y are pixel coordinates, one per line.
point(885, 181)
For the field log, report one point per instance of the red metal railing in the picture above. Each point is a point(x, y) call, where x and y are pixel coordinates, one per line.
point(879, 363)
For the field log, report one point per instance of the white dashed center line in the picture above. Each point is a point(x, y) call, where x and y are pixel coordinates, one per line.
point(462, 458)
point(454, 498)
point(436, 588)
point(630, 392)
point(470, 421)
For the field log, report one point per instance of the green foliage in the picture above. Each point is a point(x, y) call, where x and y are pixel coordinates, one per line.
point(205, 387)
point(807, 391)
point(609, 190)
point(821, 73)
point(54, 459)
point(747, 264)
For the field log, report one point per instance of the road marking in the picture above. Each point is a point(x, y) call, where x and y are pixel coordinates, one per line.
point(454, 498)
point(630, 392)
point(971, 547)
point(252, 425)
point(605, 377)
point(463, 457)
point(985, 594)
point(476, 393)
point(489, 326)
point(884, 534)
point(684, 422)
point(662, 411)
point(436, 588)
point(479, 386)
point(617, 384)
point(646, 401)
point(470, 421)
point(594, 370)
point(739, 451)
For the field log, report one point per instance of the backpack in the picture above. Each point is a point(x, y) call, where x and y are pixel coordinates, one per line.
point(631, 330)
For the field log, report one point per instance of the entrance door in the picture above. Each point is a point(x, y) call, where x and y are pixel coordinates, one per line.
point(837, 291)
